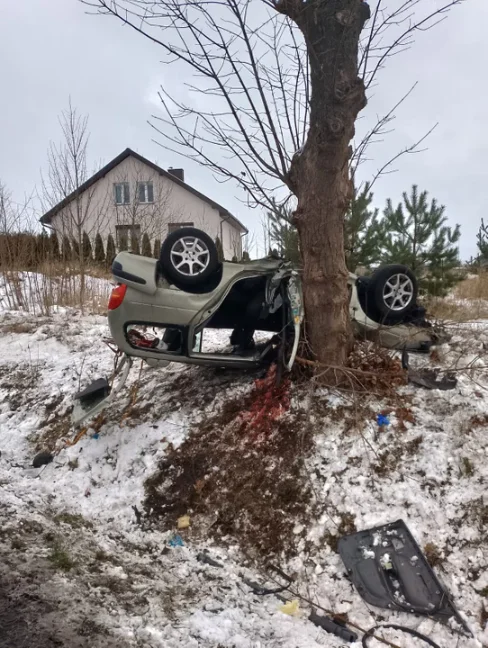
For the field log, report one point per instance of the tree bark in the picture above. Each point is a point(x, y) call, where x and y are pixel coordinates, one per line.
point(319, 173)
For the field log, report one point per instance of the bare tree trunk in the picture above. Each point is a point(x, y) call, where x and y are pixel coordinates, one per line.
point(319, 173)
point(320, 218)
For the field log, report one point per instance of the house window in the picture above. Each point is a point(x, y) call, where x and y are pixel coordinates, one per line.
point(127, 236)
point(172, 227)
point(145, 193)
point(121, 191)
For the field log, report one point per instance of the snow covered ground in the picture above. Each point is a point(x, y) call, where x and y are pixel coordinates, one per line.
point(78, 570)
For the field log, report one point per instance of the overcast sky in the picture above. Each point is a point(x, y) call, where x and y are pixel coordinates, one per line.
point(51, 49)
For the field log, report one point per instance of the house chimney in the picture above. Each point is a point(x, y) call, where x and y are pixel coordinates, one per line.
point(178, 173)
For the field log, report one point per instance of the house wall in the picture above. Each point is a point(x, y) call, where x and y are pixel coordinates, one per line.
point(95, 210)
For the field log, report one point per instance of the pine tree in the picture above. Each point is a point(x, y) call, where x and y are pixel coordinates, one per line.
point(87, 247)
point(362, 231)
point(66, 252)
point(157, 248)
point(146, 245)
point(99, 251)
point(54, 246)
point(415, 234)
point(134, 242)
point(220, 249)
point(482, 242)
point(283, 233)
point(110, 255)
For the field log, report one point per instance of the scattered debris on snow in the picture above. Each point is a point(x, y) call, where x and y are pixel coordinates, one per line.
point(85, 563)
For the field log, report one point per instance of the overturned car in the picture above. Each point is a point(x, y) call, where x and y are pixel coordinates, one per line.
point(160, 309)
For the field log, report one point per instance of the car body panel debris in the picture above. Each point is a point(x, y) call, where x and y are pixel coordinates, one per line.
point(429, 378)
point(389, 570)
point(432, 379)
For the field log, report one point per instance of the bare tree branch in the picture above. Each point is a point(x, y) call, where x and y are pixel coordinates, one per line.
point(408, 150)
point(276, 89)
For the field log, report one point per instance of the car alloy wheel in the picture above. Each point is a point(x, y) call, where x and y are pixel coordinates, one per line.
point(190, 256)
point(398, 292)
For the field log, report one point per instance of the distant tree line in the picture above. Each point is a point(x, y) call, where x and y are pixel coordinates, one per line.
point(25, 250)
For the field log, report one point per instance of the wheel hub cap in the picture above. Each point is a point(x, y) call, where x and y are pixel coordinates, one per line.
point(398, 292)
point(190, 256)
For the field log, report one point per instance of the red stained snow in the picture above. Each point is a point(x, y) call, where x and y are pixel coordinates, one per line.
point(268, 403)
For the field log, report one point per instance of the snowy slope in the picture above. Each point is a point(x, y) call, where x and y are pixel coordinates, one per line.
point(87, 574)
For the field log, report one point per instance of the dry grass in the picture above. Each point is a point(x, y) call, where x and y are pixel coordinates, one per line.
point(474, 287)
point(446, 310)
point(469, 301)
point(55, 285)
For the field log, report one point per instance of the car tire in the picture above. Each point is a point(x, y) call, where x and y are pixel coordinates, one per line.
point(188, 258)
point(393, 291)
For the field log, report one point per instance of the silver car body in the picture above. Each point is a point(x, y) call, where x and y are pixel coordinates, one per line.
point(151, 301)
point(159, 303)
point(156, 302)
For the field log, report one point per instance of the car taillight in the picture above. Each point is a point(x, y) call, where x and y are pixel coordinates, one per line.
point(117, 296)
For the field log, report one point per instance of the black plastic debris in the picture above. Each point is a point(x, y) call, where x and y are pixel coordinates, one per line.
point(42, 459)
point(405, 359)
point(432, 379)
point(333, 626)
point(97, 390)
point(428, 378)
point(389, 570)
point(208, 560)
point(261, 590)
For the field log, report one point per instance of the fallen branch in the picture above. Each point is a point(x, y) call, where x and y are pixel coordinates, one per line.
point(316, 363)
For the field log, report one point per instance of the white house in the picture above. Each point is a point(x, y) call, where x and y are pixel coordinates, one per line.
point(131, 195)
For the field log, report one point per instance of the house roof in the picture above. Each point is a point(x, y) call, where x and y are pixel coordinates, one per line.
point(225, 214)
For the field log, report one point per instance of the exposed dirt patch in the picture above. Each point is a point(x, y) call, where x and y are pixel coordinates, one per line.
point(388, 460)
point(243, 469)
point(74, 520)
point(477, 512)
point(20, 383)
point(404, 415)
point(347, 525)
point(53, 429)
point(479, 421)
point(434, 555)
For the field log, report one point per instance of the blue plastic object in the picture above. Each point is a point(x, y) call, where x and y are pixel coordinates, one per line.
point(382, 420)
point(176, 541)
